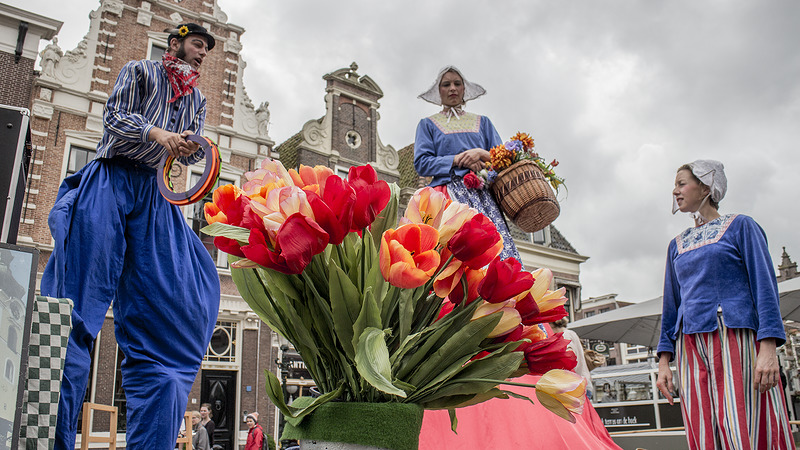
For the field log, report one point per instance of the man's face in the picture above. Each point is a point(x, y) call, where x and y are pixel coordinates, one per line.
point(193, 49)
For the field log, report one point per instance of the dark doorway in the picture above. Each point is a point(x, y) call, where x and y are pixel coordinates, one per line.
point(218, 388)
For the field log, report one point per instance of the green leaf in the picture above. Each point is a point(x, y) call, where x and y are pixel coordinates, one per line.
point(488, 368)
point(345, 307)
point(239, 234)
point(387, 218)
point(368, 317)
point(464, 342)
point(294, 415)
point(453, 420)
point(372, 361)
point(288, 284)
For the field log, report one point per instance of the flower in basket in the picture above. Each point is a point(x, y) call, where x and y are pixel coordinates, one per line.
point(419, 311)
point(518, 148)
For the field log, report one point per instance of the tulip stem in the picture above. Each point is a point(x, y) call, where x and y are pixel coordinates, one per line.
point(486, 380)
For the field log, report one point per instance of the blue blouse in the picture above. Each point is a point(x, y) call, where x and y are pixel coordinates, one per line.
point(138, 103)
point(723, 264)
point(439, 141)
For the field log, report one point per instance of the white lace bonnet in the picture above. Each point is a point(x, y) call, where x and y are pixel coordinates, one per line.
point(712, 174)
point(471, 90)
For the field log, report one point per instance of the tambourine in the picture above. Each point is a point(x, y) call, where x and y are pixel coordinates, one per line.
point(206, 183)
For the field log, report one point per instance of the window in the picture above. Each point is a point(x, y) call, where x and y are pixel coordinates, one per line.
point(602, 310)
point(157, 52)
point(12, 338)
point(198, 221)
point(79, 157)
point(342, 172)
point(9, 373)
point(222, 347)
point(588, 314)
point(538, 237)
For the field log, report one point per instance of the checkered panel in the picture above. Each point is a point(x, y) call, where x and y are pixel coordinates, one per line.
point(50, 328)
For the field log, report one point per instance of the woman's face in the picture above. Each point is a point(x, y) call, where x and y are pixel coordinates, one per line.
point(195, 419)
point(451, 89)
point(204, 412)
point(250, 422)
point(689, 194)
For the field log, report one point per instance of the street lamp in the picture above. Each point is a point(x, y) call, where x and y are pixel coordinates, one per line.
point(283, 364)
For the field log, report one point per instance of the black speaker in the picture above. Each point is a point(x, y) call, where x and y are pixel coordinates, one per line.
point(15, 153)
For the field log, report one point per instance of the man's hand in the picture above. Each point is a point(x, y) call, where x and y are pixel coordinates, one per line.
point(175, 143)
point(472, 159)
point(664, 381)
point(188, 146)
point(767, 373)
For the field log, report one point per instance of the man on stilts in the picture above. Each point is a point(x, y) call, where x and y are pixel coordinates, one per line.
point(118, 240)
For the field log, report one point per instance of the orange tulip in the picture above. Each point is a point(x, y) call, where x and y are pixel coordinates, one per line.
point(508, 322)
point(408, 256)
point(213, 213)
point(562, 392)
point(426, 206)
point(310, 178)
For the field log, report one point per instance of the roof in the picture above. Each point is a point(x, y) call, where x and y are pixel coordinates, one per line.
point(408, 175)
point(288, 151)
point(558, 241)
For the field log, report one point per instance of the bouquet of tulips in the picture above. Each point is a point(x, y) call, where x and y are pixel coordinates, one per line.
point(421, 311)
point(518, 148)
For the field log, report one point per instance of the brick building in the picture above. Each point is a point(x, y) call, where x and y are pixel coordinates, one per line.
point(20, 33)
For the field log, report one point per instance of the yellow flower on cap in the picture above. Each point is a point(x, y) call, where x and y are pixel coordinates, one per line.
point(183, 31)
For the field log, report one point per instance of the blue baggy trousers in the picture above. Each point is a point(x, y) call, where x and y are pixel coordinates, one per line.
point(116, 240)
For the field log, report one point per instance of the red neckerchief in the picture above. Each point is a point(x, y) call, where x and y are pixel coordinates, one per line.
point(182, 77)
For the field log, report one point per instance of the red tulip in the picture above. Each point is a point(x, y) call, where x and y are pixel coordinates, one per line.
point(228, 202)
point(334, 210)
point(504, 280)
point(528, 309)
point(408, 256)
point(372, 196)
point(550, 353)
point(228, 245)
point(298, 239)
point(477, 242)
point(447, 307)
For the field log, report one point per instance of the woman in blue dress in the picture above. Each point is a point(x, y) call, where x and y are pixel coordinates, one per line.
point(721, 322)
point(453, 142)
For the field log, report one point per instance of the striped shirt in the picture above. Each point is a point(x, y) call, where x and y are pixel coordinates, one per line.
point(137, 104)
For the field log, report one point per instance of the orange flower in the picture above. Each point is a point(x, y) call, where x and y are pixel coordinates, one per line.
point(508, 323)
point(213, 213)
point(501, 157)
point(310, 178)
point(426, 206)
point(562, 392)
point(408, 256)
point(525, 139)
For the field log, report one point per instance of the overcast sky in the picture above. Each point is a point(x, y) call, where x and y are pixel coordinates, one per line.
point(620, 92)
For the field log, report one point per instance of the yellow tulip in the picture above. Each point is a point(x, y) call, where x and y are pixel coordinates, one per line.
point(510, 320)
point(563, 392)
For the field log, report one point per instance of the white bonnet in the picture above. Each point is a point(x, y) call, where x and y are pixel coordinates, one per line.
point(471, 90)
point(712, 174)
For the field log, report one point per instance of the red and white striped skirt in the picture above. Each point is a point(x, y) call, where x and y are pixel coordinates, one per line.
point(721, 407)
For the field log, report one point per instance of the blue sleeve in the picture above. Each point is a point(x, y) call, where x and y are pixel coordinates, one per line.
point(426, 160)
point(752, 244)
point(122, 117)
point(490, 134)
point(670, 305)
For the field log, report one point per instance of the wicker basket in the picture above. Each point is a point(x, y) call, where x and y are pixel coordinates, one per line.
point(525, 196)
